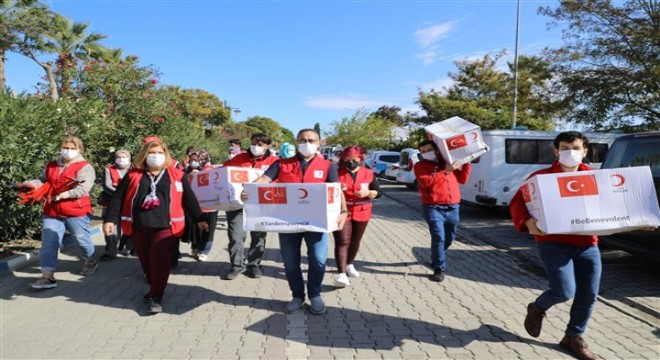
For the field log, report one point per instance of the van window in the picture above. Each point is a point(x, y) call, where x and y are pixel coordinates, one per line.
point(529, 151)
point(389, 158)
point(635, 152)
point(596, 152)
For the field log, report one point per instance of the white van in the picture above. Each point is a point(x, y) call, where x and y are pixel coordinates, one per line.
point(378, 161)
point(513, 155)
point(409, 157)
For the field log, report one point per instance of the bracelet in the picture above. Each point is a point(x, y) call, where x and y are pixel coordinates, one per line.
point(343, 212)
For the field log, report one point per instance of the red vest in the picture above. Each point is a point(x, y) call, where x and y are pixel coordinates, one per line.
point(245, 160)
point(316, 172)
point(177, 217)
point(359, 209)
point(115, 176)
point(67, 208)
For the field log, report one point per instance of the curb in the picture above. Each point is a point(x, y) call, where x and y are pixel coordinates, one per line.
point(8, 265)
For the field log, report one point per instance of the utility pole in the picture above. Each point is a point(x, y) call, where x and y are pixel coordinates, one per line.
point(515, 70)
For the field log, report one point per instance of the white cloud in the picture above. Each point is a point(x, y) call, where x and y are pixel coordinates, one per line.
point(427, 39)
point(343, 102)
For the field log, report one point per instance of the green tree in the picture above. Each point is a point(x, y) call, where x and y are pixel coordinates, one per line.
point(390, 113)
point(9, 11)
point(609, 63)
point(199, 106)
point(362, 129)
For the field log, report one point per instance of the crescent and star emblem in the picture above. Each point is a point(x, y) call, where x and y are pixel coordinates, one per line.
point(268, 195)
point(569, 186)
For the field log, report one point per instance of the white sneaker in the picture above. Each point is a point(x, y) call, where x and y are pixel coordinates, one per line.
point(350, 271)
point(202, 257)
point(341, 280)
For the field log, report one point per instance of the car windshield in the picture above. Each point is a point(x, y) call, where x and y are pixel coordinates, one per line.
point(635, 152)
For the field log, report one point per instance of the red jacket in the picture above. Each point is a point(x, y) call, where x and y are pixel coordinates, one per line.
point(438, 188)
point(359, 209)
point(66, 208)
point(316, 172)
point(244, 159)
point(177, 217)
point(520, 215)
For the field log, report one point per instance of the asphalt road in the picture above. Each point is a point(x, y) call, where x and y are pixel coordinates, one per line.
point(629, 283)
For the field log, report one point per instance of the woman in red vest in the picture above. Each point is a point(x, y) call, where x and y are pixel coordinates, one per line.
point(111, 178)
point(151, 200)
point(71, 178)
point(359, 186)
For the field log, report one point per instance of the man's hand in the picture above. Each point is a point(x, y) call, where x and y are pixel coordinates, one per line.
point(531, 226)
point(108, 228)
point(244, 196)
point(453, 166)
point(203, 226)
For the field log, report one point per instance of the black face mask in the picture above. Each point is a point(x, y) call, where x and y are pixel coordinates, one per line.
point(352, 165)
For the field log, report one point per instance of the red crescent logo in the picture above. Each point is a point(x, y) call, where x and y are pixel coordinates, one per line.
point(474, 136)
point(622, 180)
point(304, 195)
point(532, 189)
point(216, 176)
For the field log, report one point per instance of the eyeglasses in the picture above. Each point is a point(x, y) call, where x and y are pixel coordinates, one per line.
point(302, 141)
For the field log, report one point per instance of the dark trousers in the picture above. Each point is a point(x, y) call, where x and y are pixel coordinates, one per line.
point(237, 237)
point(153, 247)
point(347, 243)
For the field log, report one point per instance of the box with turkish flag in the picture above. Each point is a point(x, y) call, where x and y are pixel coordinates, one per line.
point(291, 208)
point(220, 188)
point(596, 202)
point(457, 139)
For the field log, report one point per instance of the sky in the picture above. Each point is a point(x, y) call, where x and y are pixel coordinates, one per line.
point(302, 62)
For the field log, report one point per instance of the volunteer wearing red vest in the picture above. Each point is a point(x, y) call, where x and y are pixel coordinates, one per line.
point(572, 262)
point(68, 208)
point(308, 166)
point(151, 200)
point(441, 197)
point(359, 186)
point(258, 156)
point(111, 178)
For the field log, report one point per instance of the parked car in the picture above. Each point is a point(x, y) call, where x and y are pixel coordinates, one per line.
point(407, 160)
point(391, 172)
point(329, 151)
point(513, 155)
point(636, 150)
point(378, 161)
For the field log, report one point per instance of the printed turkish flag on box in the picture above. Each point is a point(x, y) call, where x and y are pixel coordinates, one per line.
point(220, 188)
point(291, 208)
point(597, 202)
point(457, 139)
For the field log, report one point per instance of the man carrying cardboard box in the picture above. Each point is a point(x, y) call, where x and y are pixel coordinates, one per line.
point(572, 262)
point(258, 156)
point(306, 167)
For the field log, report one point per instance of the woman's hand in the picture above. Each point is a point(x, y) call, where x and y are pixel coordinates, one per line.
point(108, 228)
point(363, 193)
point(342, 219)
point(244, 196)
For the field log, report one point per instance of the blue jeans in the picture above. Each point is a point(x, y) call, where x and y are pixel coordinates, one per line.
point(443, 222)
point(52, 234)
point(573, 271)
point(317, 254)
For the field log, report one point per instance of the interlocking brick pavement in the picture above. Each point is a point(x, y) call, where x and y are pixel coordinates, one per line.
point(391, 312)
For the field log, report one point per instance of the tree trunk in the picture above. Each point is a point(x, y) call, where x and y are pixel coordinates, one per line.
point(3, 80)
point(48, 67)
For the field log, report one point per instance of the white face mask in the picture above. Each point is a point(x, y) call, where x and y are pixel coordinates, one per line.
point(307, 149)
point(122, 162)
point(570, 158)
point(257, 150)
point(69, 154)
point(430, 156)
point(194, 164)
point(155, 160)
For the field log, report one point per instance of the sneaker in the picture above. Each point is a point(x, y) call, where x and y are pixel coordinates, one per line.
point(294, 305)
point(44, 283)
point(534, 320)
point(126, 252)
point(234, 273)
point(578, 347)
point(341, 280)
point(155, 305)
point(202, 257)
point(438, 275)
point(89, 267)
point(107, 256)
point(254, 272)
point(317, 306)
point(351, 272)
point(195, 253)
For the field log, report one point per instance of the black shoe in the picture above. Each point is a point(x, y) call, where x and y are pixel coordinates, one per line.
point(254, 272)
point(155, 305)
point(107, 256)
point(438, 275)
point(233, 274)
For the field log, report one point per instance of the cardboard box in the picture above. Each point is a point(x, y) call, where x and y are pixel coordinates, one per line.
point(457, 139)
point(291, 208)
point(220, 188)
point(597, 202)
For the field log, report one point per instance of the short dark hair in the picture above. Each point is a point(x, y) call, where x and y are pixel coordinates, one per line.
point(569, 137)
point(428, 142)
point(260, 137)
point(308, 130)
point(235, 141)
